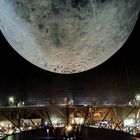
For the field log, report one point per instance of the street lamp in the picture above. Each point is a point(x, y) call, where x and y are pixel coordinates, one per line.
point(137, 97)
point(11, 100)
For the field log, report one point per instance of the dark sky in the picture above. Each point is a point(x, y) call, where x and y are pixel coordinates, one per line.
point(117, 77)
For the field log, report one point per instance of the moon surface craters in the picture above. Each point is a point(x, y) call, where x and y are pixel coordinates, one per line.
point(71, 36)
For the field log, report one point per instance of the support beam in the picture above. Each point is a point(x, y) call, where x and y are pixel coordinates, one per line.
point(112, 119)
point(61, 113)
point(67, 114)
point(86, 115)
point(10, 121)
point(48, 115)
point(4, 131)
point(134, 128)
point(105, 116)
point(33, 124)
point(30, 113)
point(124, 118)
point(114, 114)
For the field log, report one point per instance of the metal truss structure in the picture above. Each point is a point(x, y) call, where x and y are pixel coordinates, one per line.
point(124, 118)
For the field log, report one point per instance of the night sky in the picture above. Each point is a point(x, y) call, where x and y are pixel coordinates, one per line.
point(118, 77)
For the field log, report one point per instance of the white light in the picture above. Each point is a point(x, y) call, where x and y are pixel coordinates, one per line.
point(2, 124)
point(104, 122)
point(129, 122)
point(10, 131)
point(79, 120)
point(21, 128)
point(36, 124)
point(55, 121)
point(29, 128)
point(69, 128)
point(11, 99)
point(47, 131)
point(18, 105)
point(72, 121)
point(17, 131)
point(46, 123)
point(137, 97)
point(129, 103)
point(71, 102)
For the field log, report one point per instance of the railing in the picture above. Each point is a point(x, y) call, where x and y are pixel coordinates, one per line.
point(115, 117)
point(95, 101)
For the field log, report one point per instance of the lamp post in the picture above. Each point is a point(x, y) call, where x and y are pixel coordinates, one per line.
point(11, 101)
point(137, 98)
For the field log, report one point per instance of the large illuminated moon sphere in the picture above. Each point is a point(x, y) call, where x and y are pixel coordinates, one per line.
point(67, 36)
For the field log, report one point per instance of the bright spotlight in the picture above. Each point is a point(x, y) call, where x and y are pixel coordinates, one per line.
point(129, 122)
point(11, 100)
point(137, 97)
point(69, 128)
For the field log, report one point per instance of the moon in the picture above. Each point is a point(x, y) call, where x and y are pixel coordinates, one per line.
point(67, 36)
